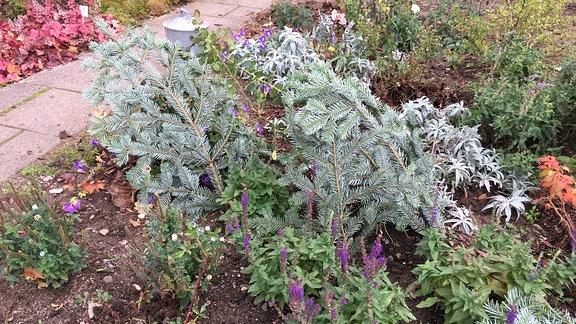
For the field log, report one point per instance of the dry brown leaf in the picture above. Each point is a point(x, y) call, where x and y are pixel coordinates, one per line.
point(92, 186)
point(481, 197)
point(32, 274)
point(135, 223)
point(122, 194)
point(100, 112)
point(68, 178)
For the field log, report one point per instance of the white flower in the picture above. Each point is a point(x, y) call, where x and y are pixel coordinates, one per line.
point(207, 228)
point(415, 8)
point(37, 217)
point(222, 239)
point(174, 237)
point(213, 239)
point(209, 277)
point(42, 253)
point(34, 207)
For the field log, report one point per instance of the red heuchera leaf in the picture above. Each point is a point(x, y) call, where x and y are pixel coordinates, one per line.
point(44, 37)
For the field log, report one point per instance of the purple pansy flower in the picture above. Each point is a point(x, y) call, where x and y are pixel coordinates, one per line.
point(95, 142)
point(72, 207)
point(259, 129)
point(79, 165)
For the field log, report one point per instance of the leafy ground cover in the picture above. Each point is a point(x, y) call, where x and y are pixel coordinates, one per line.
point(293, 185)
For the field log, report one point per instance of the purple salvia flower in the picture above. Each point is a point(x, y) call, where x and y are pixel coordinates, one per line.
point(342, 252)
point(79, 165)
point(313, 169)
point(281, 232)
point(296, 296)
point(311, 309)
point(246, 109)
point(343, 301)
point(511, 315)
point(233, 225)
point(95, 142)
point(266, 88)
point(150, 200)
point(247, 239)
point(283, 258)
point(259, 129)
point(244, 200)
point(310, 209)
point(224, 56)
point(333, 37)
point(233, 111)
point(374, 262)
point(334, 229)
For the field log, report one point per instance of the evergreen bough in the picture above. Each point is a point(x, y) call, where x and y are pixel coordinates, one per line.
point(170, 112)
point(356, 156)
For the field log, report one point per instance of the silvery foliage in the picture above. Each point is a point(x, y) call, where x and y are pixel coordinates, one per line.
point(529, 309)
point(461, 158)
point(461, 218)
point(504, 205)
point(348, 54)
point(276, 56)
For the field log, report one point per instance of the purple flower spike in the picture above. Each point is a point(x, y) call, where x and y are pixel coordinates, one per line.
point(343, 254)
point(512, 313)
point(334, 229)
point(283, 257)
point(71, 207)
point(233, 225)
point(95, 142)
point(79, 165)
point(259, 129)
point(296, 296)
point(247, 239)
point(374, 262)
point(150, 200)
point(333, 36)
point(244, 198)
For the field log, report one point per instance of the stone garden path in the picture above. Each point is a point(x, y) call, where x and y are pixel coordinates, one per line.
point(38, 113)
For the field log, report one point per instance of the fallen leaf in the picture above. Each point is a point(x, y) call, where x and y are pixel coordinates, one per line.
point(135, 223)
point(100, 112)
point(122, 193)
point(64, 135)
point(92, 186)
point(481, 197)
point(32, 274)
point(68, 178)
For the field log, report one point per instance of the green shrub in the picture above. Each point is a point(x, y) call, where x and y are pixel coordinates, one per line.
point(176, 252)
point(462, 279)
point(285, 14)
point(37, 242)
point(336, 291)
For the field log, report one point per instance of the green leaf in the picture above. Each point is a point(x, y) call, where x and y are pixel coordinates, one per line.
point(430, 301)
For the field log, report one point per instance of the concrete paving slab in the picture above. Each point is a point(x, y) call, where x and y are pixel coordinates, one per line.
point(7, 133)
point(23, 150)
point(17, 92)
point(69, 76)
point(241, 13)
point(54, 111)
point(259, 4)
point(210, 10)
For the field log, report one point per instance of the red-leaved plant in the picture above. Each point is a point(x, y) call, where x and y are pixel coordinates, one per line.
point(44, 37)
